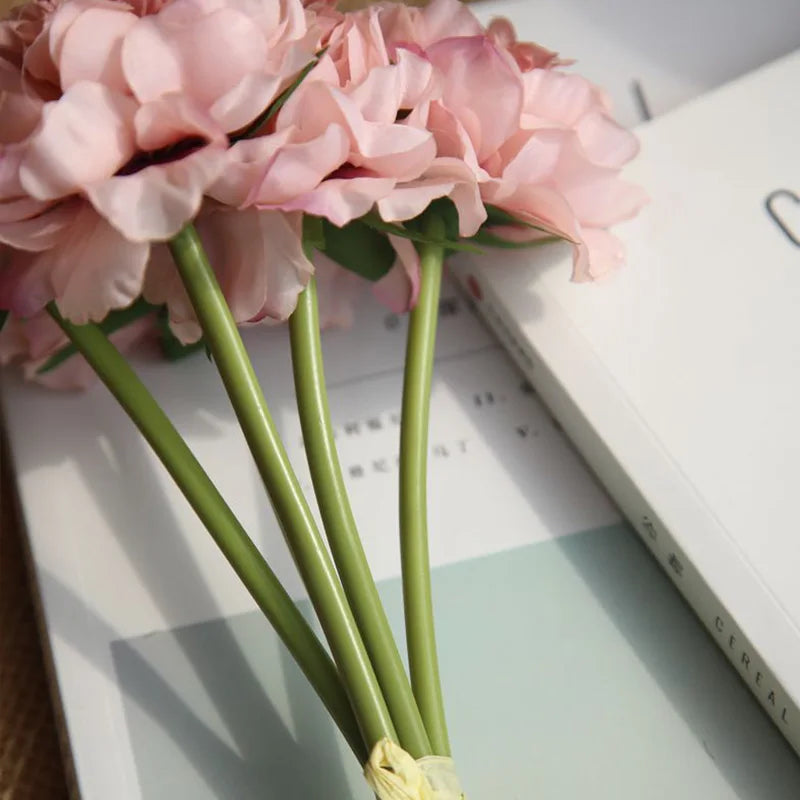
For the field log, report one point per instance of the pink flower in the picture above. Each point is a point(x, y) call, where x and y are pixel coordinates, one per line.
point(561, 171)
point(121, 126)
point(31, 343)
point(540, 143)
point(134, 87)
point(58, 246)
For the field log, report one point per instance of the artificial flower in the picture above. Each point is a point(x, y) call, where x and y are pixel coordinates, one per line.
point(122, 126)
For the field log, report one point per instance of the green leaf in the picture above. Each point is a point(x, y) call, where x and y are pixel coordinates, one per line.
point(498, 216)
point(487, 239)
point(359, 248)
point(114, 321)
point(375, 222)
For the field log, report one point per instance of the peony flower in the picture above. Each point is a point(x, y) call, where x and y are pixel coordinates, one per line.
point(119, 129)
point(141, 127)
point(541, 143)
point(561, 171)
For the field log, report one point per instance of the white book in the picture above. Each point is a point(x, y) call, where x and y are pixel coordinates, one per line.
point(678, 378)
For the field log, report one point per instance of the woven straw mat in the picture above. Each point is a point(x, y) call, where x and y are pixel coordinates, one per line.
point(30, 759)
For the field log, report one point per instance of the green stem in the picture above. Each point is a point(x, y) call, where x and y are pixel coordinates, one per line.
point(306, 545)
point(417, 600)
point(216, 515)
point(340, 525)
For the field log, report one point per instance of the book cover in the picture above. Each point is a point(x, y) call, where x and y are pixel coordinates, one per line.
point(679, 377)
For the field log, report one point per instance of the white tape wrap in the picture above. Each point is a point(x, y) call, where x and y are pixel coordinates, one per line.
point(394, 775)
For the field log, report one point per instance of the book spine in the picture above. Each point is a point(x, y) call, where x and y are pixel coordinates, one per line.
point(719, 623)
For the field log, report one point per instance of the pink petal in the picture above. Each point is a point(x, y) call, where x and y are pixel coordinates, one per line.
point(10, 160)
point(537, 157)
point(341, 200)
point(25, 285)
point(596, 194)
point(162, 284)
point(294, 24)
point(246, 163)
point(19, 116)
point(386, 90)
point(540, 206)
point(62, 20)
point(298, 168)
point(358, 46)
point(391, 150)
point(399, 288)
point(92, 47)
point(86, 136)
point(96, 270)
point(409, 200)
point(483, 88)
point(417, 78)
point(172, 118)
point(606, 142)
point(605, 201)
point(41, 230)
point(23, 208)
point(338, 290)
point(245, 101)
point(557, 97)
point(33, 341)
point(528, 55)
point(447, 18)
point(605, 253)
point(452, 139)
point(259, 258)
point(19, 111)
point(378, 96)
point(38, 65)
point(159, 58)
point(397, 151)
point(446, 177)
point(155, 203)
point(519, 234)
point(151, 66)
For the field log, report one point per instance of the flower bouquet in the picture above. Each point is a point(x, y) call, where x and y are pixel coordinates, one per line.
point(174, 170)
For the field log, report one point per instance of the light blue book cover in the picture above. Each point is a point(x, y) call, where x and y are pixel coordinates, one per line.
point(572, 670)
